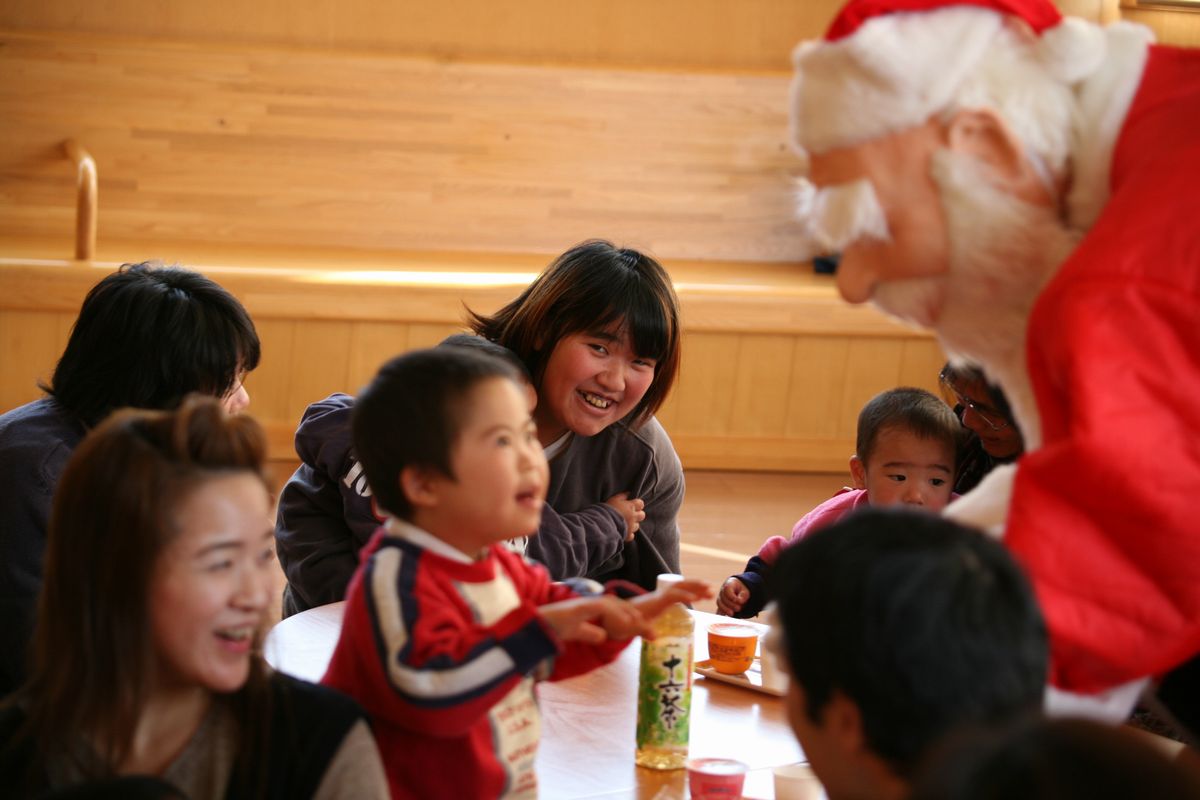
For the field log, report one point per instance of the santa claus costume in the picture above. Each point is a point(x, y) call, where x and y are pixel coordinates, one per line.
point(1101, 504)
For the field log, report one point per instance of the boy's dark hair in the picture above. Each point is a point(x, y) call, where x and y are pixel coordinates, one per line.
point(585, 290)
point(915, 410)
point(411, 415)
point(147, 336)
point(924, 624)
point(473, 341)
point(1054, 759)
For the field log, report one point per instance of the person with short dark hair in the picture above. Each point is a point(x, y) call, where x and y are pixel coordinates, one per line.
point(905, 454)
point(146, 658)
point(146, 336)
point(445, 631)
point(994, 437)
point(1054, 759)
point(897, 627)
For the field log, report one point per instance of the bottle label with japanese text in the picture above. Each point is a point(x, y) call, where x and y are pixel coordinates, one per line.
point(665, 692)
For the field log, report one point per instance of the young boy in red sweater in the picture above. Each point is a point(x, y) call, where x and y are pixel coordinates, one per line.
point(446, 631)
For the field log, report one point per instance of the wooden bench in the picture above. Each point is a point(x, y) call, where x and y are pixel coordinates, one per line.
point(775, 366)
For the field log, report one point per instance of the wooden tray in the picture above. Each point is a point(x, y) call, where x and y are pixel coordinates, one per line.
point(750, 679)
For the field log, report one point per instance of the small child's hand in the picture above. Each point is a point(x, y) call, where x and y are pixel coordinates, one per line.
point(656, 602)
point(622, 619)
point(733, 596)
point(595, 619)
point(632, 510)
point(571, 620)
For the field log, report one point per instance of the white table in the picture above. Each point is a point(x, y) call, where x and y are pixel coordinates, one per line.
point(588, 722)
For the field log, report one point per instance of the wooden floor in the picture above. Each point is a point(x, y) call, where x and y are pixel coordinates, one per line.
point(727, 515)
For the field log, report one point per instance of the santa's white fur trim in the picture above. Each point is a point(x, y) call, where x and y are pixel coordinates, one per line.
point(894, 72)
point(1072, 49)
point(897, 70)
point(1104, 100)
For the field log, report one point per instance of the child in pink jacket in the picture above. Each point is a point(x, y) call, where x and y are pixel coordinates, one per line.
point(906, 446)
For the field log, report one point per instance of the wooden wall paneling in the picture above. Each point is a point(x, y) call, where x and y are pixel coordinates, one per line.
point(285, 148)
point(318, 362)
point(872, 365)
point(1180, 28)
point(702, 401)
point(371, 344)
point(762, 375)
point(430, 335)
point(29, 350)
point(816, 402)
point(270, 386)
point(745, 399)
point(66, 322)
point(698, 34)
point(920, 362)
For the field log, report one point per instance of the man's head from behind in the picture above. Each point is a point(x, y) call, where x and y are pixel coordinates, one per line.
point(899, 626)
point(147, 336)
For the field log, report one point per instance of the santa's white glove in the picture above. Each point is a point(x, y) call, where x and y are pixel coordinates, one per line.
point(986, 506)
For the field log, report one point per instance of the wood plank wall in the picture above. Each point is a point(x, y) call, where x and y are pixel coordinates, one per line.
point(705, 35)
point(285, 148)
point(769, 381)
point(332, 153)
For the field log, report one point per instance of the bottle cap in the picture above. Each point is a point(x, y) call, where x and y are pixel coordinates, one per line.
point(666, 580)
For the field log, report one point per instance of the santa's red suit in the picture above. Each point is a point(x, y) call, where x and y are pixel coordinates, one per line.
point(1104, 510)
point(1106, 514)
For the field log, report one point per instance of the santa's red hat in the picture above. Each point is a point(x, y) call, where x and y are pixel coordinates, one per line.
point(887, 65)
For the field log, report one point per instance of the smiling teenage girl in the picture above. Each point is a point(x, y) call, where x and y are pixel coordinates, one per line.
point(599, 331)
point(145, 656)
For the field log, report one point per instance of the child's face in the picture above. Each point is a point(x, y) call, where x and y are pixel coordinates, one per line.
point(906, 469)
point(591, 380)
point(500, 472)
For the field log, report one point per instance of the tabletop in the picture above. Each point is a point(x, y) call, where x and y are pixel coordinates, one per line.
point(588, 722)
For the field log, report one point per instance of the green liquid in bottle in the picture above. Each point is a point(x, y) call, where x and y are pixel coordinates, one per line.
point(665, 689)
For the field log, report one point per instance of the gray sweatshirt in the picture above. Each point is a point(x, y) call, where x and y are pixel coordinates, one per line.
point(325, 512)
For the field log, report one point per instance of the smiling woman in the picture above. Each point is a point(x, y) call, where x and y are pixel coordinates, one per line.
point(599, 332)
point(146, 651)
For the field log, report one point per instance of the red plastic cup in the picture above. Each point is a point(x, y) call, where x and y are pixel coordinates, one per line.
point(716, 778)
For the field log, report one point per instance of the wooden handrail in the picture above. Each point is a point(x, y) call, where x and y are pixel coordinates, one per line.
point(86, 199)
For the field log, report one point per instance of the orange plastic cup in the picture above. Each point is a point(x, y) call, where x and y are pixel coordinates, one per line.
point(731, 647)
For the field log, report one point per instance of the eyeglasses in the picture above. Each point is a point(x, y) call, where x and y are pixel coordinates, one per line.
point(991, 417)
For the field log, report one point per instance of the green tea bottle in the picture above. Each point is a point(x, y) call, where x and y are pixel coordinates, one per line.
point(665, 688)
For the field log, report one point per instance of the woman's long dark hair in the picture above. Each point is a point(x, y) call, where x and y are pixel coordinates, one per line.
point(113, 515)
point(589, 288)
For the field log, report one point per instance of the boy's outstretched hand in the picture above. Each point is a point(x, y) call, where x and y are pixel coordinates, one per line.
point(733, 596)
point(656, 602)
point(579, 619)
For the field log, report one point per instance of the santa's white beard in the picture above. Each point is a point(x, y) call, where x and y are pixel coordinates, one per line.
point(1003, 251)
